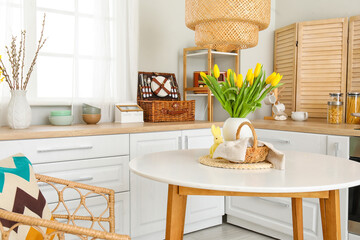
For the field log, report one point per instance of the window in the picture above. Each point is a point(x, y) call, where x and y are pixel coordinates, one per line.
point(81, 59)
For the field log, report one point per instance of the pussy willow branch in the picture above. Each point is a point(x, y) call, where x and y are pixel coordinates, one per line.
point(6, 75)
point(11, 60)
point(23, 34)
point(15, 69)
point(40, 45)
point(18, 66)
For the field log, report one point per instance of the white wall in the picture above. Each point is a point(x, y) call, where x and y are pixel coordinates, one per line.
point(291, 11)
point(163, 35)
point(262, 53)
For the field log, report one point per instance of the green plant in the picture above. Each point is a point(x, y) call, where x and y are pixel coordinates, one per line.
point(240, 97)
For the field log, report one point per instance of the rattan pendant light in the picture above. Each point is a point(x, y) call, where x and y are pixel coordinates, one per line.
point(226, 25)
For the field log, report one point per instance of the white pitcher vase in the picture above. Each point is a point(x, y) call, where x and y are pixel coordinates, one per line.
point(230, 127)
point(19, 111)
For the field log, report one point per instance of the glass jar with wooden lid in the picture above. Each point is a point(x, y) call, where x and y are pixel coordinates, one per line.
point(335, 112)
point(353, 106)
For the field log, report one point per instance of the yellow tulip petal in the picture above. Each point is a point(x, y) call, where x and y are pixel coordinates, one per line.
point(270, 78)
point(251, 79)
point(257, 70)
point(276, 80)
point(239, 81)
point(228, 73)
point(203, 75)
point(216, 71)
point(248, 74)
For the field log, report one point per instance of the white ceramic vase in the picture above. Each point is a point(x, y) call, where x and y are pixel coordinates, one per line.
point(230, 127)
point(19, 111)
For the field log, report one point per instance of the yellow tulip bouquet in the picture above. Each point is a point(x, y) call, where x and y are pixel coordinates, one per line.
point(240, 97)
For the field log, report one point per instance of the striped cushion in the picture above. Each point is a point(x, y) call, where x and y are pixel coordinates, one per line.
point(19, 193)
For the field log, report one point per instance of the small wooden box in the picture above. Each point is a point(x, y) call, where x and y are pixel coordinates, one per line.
point(169, 108)
point(128, 113)
point(197, 79)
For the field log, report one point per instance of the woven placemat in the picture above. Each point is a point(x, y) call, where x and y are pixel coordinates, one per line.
point(223, 163)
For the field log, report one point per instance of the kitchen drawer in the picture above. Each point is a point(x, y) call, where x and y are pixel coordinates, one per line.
point(97, 205)
point(304, 142)
point(70, 148)
point(275, 214)
point(112, 172)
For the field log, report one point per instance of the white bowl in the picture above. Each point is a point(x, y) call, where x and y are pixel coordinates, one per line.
point(61, 120)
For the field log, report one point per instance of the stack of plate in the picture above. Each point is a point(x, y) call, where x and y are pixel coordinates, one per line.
point(91, 114)
point(61, 118)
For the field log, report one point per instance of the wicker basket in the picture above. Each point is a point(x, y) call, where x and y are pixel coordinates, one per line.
point(255, 153)
point(227, 25)
point(165, 109)
point(168, 111)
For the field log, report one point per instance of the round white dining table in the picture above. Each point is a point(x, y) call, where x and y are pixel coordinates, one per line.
point(306, 175)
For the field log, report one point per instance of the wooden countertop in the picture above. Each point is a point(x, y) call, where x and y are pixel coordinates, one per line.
point(48, 131)
point(309, 126)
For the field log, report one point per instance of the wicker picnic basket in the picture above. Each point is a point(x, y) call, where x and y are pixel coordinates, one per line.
point(255, 153)
point(163, 109)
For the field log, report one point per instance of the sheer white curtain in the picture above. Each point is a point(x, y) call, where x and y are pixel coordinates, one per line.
point(90, 55)
point(11, 17)
point(116, 48)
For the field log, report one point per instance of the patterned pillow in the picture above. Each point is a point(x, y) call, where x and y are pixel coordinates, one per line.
point(19, 193)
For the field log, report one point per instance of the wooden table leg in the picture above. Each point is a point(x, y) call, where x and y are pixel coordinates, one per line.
point(332, 216)
point(297, 216)
point(323, 216)
point(175, 218)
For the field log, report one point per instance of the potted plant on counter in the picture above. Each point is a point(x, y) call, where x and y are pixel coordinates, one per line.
point(239, 96)
point(19, 111)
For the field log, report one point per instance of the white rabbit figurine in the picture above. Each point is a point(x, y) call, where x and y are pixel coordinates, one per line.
point(216, 132)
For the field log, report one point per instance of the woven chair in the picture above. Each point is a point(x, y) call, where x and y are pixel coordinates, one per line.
point(70, 228)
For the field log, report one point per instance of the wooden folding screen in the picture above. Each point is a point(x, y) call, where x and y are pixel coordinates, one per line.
point(315, 67)
point(354, 55)
point(322, 59)
point(285, 54)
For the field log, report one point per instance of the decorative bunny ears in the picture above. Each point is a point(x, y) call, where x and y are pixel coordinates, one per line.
point(216, 131)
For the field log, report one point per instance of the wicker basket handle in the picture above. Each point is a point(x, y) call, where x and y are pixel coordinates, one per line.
point(252, 130)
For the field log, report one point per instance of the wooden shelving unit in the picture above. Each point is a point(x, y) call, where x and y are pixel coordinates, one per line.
point(210, 53)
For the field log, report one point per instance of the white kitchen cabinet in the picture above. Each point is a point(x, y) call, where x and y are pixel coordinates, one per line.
point(202, 211)
point(273, 216)
point(283, 140)
point(48, 150)
point(339, 146)
point(149, 198)
point(111, 172)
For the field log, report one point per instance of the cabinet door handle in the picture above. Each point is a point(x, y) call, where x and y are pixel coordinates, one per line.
point(55, 149)
point(180, 143)
point(186, 142)
point(337, 148)
point(80, 179)
point(282, 141)
point(275, 202)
